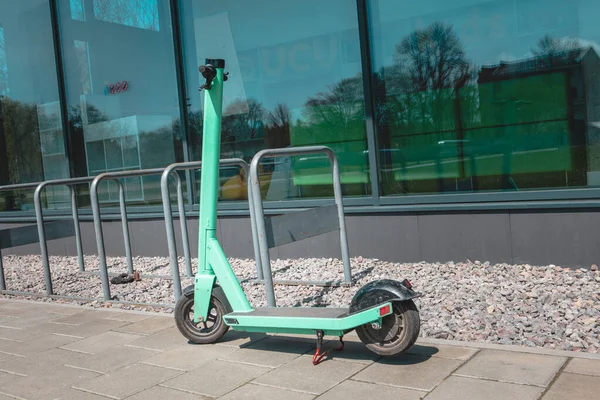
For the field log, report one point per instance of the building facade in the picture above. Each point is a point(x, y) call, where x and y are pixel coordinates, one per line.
point(464, 128)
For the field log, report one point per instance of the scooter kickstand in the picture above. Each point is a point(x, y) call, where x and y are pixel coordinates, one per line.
point(319, 355)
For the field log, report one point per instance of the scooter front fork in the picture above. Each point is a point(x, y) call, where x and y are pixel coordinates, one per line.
point(202, 292)
point(320, 355)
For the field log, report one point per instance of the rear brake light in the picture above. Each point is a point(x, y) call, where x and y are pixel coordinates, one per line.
point(384, 310)
point(407, 283)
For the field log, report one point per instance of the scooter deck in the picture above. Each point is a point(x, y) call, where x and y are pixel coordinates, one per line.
point(295, 312)
point(304, 319)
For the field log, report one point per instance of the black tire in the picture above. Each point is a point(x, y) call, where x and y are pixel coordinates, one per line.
point(398, 332)
point(204, 332)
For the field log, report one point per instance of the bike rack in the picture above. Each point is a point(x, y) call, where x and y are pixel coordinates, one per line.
point(9, 188)
point(166, 199)
point(114, 176)
point(39, 215)
point(264, 245)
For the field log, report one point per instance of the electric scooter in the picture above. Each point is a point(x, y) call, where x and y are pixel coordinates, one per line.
point(382, 312)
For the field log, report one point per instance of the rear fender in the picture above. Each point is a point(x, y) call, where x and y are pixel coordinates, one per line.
point(381, 291)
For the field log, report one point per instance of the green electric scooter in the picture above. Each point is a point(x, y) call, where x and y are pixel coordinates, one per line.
point(382, 312)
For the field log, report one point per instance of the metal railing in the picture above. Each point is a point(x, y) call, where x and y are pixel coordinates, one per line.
point(259, 211)
point(166, 199)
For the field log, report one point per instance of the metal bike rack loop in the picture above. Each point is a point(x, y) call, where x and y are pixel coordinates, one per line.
point(115, 176)
point(39, 215)
point(10, 188)
point(259, 211)
point(166, 199)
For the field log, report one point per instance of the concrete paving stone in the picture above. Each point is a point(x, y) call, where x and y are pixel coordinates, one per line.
point(161, 392)
point(64, 311)
point(25, 306)
point(111, 359)
point(37, 364)
point(269, 352)
point(459, 388)
point(12, 334)
point(148, 326)
point(301, 375)
point(102, 342)
point(524, 368)
point(452, 352)
point(14, 364)
point(73, 394)
point(57, 356)
point(251, 392)
point(82, 317)
point(240, 339)
point(87, 329)
point(410, 372)
point(127, 317)
point(573, 387)
point(39, 386)
point(164, 340)
point(127, 381)
point(354, 350)
point(36, 345)
point(7, 314)
point(215, 378)
point(26, 321)
point(350, 390)
point(583, 367)
point(189, 356)
point(24, 334)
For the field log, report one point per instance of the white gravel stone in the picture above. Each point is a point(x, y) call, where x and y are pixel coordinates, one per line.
point(538, 306)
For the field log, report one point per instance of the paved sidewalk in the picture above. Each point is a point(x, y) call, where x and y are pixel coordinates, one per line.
point(50, 351)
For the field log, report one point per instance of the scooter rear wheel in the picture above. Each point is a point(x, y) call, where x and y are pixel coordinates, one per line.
point(203, 332)
point(397, 333)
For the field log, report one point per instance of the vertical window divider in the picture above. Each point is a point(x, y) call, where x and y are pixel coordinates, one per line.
point(370, 116)
point(62, 90)
point(182, 90)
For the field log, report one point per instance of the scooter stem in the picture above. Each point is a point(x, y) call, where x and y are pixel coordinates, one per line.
point(211, 149)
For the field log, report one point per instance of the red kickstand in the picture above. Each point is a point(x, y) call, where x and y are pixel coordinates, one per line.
point(320, 355)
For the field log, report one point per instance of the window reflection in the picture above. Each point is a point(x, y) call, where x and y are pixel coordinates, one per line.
point(31, 135)
point(291, 83)
point(135, 13)
point(122, 92)
point(488, 95)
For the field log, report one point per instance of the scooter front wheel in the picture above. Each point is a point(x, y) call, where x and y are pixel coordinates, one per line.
point(396, 333)
point(203, 332)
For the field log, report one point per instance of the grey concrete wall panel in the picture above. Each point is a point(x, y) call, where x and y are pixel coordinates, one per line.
point(325, 245)
point(569, 239)
point(386, 237)
point(301, 225)
point(540, 238)
point(26, 235)
point(465, 236)
point(235, 235)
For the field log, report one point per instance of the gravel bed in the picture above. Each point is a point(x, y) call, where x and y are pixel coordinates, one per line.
point(537, 306)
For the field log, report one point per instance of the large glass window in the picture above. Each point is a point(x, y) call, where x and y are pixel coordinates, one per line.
point(121, 90)
point(295, 80)
point(32, 146)
point(477, 95)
